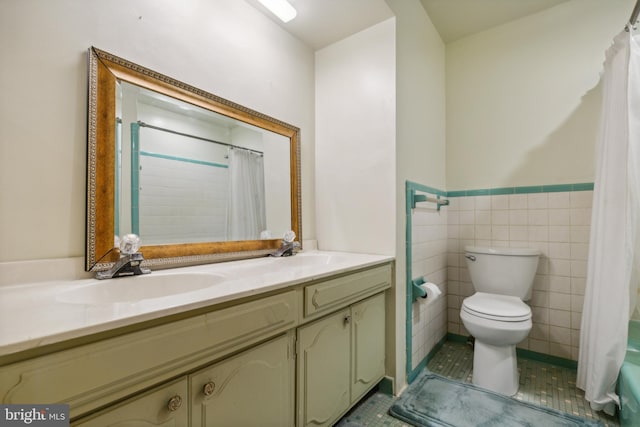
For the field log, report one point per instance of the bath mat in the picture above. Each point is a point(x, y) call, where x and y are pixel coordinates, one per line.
point(432, 400)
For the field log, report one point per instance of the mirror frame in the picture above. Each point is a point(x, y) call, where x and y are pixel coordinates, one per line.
point(104, 71)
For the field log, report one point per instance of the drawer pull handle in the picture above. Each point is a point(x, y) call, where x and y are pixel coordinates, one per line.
point(347, 319)
point(174, 403)
point(209, 388)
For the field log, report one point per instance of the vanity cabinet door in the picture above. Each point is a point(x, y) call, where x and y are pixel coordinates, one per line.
point(254, 388)
point(324, 369)
point(340, 358)
point(164, 406)
point(368, 345)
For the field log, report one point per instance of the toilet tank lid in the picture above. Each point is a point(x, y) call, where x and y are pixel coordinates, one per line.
point(502, 251)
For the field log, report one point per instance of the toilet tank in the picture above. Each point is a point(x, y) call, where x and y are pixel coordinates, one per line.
point(504, 271)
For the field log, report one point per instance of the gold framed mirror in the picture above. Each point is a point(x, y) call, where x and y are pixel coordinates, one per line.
point(113, 182)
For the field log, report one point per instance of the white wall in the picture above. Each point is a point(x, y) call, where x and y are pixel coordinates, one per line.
point(355, 142)
point(522, 98)
point(225, 47)
point(420, 138)
point(367, 146)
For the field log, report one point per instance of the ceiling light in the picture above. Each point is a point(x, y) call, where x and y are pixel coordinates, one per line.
point(281, 8)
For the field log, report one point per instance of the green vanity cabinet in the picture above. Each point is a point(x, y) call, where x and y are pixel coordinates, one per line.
point(340, 358)
point(297, 356)
point(165, 405)
point(324, 365)
point(93, 376)
point(254, 388)
point(367, 345)
point(333, 294)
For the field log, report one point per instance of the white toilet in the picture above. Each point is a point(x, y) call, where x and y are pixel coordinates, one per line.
point(496, 315)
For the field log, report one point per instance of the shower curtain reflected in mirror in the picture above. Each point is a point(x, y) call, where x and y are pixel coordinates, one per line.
point(246, 217)
point(614, 252)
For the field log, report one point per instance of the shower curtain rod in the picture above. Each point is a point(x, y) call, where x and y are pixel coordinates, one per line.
point(633, 20)
point(175, 132)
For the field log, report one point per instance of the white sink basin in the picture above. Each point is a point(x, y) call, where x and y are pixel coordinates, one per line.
point(312, 259)
point(138, 288)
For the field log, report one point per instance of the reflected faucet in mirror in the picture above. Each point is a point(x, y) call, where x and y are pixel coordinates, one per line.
point(130, 260)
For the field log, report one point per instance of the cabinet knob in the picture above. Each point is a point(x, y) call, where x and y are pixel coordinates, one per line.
point(347, 319)
point(174, 403)
point(209, 388)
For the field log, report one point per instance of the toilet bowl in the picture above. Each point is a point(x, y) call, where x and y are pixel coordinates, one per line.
point(498, 323)
point(496, 315)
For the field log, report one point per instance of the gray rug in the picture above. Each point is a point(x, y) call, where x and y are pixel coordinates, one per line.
point(432, 400)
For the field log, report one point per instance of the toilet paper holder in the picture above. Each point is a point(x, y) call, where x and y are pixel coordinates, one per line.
point(418, 291)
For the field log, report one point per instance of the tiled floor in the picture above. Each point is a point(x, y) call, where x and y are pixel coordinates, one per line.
point(540, 383)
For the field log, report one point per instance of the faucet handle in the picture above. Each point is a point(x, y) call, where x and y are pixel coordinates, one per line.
point(129, 244)
point(289, 236)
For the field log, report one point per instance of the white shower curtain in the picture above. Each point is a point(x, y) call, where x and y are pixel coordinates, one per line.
point(246, 213)
point(612, 274)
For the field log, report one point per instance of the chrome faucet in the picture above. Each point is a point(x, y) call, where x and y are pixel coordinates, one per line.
point(288, 246)
point(130, 260)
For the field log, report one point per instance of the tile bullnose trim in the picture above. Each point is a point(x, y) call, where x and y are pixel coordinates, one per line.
point(424, 188)
point(554, 188)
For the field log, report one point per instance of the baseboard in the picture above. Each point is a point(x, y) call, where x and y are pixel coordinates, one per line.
point(387, 385)
point(423, 363)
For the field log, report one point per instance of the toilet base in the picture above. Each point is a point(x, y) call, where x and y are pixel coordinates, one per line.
point(495, 368)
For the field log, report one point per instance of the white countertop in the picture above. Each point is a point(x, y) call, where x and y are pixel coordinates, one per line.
point(38, 314)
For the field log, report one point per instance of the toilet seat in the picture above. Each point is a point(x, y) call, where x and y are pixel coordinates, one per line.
point(503, 308)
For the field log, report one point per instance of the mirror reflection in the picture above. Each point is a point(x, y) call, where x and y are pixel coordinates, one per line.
point(185, 174)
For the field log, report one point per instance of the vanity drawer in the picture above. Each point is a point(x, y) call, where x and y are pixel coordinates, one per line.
point(334, 294)
point(165, 405)
point(93, 375)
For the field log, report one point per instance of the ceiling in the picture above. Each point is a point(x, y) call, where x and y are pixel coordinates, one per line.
point(455, 19)
point(320, 23)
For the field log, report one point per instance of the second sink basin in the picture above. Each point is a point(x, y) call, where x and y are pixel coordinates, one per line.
point(310, 259)
point(137, 288)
